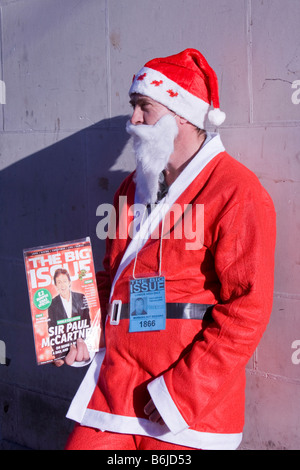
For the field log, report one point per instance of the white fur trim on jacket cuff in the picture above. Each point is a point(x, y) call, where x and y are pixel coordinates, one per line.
point(166, 406)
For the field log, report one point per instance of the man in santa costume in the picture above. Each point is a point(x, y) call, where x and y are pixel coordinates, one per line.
point(176, 379)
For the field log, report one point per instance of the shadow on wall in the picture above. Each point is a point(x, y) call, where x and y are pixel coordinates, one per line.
point(52, 195)
point(49, 197)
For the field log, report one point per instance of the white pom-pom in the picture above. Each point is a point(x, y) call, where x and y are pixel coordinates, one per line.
point(216, 116)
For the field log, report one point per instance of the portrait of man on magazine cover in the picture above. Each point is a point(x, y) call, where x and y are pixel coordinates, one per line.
point(67, 304)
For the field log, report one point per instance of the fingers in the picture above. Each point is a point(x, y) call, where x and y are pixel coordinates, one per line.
point(77, 353)
point(59, 363)
point(151, 411)
point(82, 351)
point(149, 408)
point(155, 417)
point(71, 356)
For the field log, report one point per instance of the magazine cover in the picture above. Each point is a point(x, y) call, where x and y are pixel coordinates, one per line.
point(63, 298)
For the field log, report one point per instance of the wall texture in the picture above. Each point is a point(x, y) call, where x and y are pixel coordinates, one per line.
point(67, 67)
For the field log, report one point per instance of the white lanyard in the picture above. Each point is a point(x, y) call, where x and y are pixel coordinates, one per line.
point(160, 246)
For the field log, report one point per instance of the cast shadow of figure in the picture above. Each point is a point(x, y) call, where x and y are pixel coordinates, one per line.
point(52, 195)
point(49, 197)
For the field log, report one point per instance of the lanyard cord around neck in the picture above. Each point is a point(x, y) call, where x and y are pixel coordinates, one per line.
point(160, 245)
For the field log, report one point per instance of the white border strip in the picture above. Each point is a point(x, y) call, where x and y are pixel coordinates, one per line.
point(144, 427)
point(79, 412)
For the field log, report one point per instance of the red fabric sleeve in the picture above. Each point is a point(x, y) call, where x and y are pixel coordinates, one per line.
point(243, 247)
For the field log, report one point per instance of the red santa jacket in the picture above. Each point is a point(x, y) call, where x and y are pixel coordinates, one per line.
point(194, 370)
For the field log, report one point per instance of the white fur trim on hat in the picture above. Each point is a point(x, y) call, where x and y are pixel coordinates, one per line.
point(157, 86)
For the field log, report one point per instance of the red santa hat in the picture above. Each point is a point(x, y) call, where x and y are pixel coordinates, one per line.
point(185, 83)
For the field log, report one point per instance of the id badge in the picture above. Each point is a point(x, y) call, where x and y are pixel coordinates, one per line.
point(147, 304)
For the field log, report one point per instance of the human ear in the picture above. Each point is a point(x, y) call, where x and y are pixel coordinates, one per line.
point(180, 120)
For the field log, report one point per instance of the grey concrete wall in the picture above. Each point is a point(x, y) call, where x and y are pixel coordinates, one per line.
point(67, 66)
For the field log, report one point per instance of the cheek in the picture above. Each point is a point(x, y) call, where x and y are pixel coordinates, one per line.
point(155, 116)
point(150, 118)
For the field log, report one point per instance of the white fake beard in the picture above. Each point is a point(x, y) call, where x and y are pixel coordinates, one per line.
point(153, 146)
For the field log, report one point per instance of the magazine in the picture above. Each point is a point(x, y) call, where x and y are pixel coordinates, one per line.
point(63, 298)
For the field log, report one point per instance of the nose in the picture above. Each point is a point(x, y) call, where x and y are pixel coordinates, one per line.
point(137, 116)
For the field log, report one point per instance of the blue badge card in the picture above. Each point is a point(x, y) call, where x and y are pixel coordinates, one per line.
point(147, 304)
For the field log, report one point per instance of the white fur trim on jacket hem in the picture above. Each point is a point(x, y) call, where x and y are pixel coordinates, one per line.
point(79, 412)
point(144, 427)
